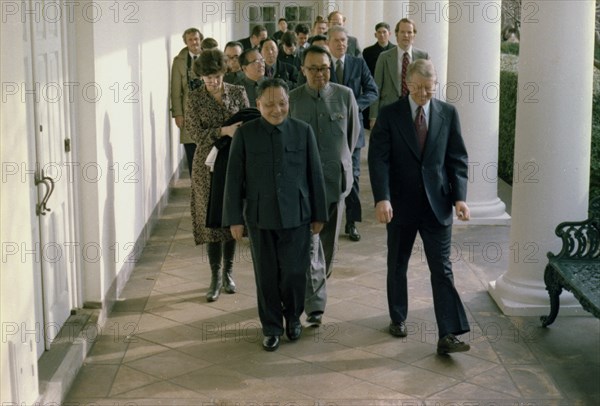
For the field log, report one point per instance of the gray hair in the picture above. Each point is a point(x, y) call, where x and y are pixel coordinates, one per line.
point(422, 67)
point(335, 29)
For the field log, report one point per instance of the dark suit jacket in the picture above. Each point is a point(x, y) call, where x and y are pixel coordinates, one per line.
point(358, 78)
point(370, 54)
point(285, 72)
point(278, 174)
point(245, 43)
point(398, 172)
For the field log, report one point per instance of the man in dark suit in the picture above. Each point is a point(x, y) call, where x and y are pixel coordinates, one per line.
point(371, 54)
point(418, 170)
point(274, 68)
point(233, 50)
point(355, 75)
point(259, 32)
point(275, 183)
point(253, 66)
point(335, 18)
point(390, 72)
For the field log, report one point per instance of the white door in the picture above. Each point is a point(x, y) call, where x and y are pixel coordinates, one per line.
point(54, 183)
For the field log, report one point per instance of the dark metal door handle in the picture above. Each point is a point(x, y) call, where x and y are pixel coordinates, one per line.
point(41, 208)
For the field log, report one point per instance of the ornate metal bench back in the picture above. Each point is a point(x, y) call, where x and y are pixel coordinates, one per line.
point(580, 240)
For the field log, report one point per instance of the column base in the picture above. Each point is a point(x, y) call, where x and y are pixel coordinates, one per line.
point(522, 300)
point(487, 213)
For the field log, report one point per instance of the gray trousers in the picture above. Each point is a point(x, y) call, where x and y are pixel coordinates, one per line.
point(322, 254)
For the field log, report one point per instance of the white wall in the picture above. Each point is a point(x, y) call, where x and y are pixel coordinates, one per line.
point(124, 137)
point(19, 227)
point(125, 52)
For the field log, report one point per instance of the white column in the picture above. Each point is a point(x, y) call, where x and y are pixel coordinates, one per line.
point(474, 88)
point(431, 21)
point(552, 147)
point(393, 11)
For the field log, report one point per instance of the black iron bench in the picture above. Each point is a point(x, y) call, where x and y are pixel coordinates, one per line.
point(576, 267)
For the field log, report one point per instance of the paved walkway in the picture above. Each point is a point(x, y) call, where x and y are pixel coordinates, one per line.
point(164, 344)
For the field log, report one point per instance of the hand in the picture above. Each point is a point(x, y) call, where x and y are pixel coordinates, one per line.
point(237, 231)
point(372, 123)
point(383, 211)
point(316, 227)
point(230, 129)
point(462, 210)
point(179, 121)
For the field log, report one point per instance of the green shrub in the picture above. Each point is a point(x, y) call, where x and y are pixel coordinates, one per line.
point(511, 48)
point(508, 117)
point(595, 158)
point(506, 136)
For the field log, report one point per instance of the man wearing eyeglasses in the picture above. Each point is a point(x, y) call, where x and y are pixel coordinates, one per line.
point(233, 50)
point(418, 169)
point(253, 66)
point(332, 112)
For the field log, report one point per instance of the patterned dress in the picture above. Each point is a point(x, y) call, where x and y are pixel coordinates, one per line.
point(203, 122)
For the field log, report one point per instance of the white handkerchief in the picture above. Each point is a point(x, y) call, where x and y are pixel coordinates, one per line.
point(211, 158)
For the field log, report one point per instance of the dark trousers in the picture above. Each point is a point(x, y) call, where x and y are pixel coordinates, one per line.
point(190, 150)
point(449, 311)
point(353, 207)
point(280, 258)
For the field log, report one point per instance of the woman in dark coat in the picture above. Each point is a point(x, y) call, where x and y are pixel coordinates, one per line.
point(208, 108)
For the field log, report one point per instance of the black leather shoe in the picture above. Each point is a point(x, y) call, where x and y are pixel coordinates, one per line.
point(398, 329)
point(314, 319)
point(270, 343)
point(293, 330)
point(450, 343)
point(352, 232)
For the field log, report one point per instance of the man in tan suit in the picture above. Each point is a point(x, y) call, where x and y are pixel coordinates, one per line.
point(183, 79)
point(390, 70)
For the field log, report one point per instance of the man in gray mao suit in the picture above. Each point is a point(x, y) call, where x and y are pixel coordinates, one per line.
point(390, 70)
point(275, 185)
point(332, 112)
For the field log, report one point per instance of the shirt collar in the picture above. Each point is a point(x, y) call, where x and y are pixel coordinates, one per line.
point(402, 51)
point(343, 59)
point(414, 106)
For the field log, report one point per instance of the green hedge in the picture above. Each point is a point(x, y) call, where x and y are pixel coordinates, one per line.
point(511, 48)
point(506, 144)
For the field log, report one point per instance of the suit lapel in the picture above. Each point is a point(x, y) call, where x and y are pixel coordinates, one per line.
point(436, 120)
point(406, 127)
point(394, 70)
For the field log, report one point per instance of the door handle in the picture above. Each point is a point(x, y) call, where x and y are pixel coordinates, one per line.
point(41, 208)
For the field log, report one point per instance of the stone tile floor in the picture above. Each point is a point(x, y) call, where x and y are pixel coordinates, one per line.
point(163, 344)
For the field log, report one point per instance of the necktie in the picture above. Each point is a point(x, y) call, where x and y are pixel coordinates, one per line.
point(270, 71)
point(421, 128)
point(339, 72)
point(404, 67)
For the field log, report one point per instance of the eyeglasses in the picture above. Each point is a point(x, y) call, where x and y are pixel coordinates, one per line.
point(314, 69)
point(260, 61)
